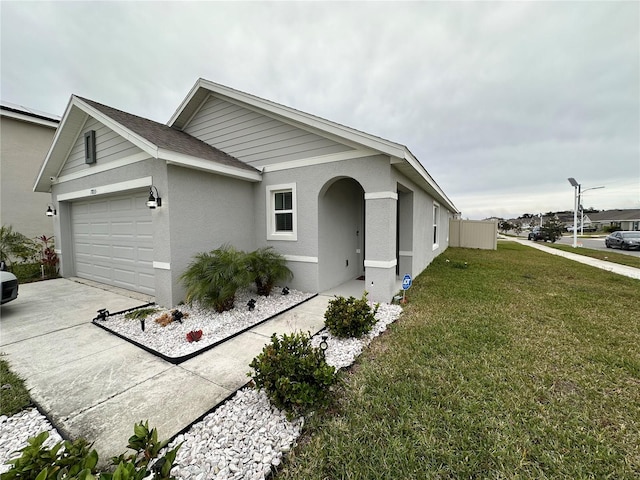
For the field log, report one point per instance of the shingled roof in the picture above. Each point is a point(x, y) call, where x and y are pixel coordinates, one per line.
point(631, 214)
point(169, 138)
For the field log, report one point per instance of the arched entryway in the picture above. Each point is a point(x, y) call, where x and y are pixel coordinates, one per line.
point(341, 232)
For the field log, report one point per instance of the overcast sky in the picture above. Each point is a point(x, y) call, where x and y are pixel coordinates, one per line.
point(500, 101)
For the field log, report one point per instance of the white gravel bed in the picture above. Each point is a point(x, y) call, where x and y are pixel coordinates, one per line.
point(246, 437)
point(171, 341)
point(17, 429)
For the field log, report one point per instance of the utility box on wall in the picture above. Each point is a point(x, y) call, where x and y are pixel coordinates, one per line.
point(482, 234)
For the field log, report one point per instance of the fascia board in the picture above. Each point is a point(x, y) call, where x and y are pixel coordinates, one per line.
point(37, 187)
point(140, 142)
point(174, 158)
point(419, 168)
point(185, 102)
point(29, 118)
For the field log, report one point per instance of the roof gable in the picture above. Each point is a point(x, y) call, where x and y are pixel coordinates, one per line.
point(400, 155)
point(155, 139)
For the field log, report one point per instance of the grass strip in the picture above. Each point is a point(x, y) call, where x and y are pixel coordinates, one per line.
point(13, 394)
point(515, 364)
point(609, 256)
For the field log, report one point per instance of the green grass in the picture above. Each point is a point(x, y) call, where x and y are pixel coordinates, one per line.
point(13, 394)
point(522, 365)
point(608, 255)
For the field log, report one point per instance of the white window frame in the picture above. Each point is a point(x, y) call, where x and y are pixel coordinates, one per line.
point(272, 234)
point(436, 225)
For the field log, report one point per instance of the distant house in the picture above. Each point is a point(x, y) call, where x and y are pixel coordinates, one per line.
point(232, 168)
point(25, 138)
point(628, 219)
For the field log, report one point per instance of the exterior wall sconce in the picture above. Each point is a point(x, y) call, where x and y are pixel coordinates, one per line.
point(156, 201)
point(51, 212)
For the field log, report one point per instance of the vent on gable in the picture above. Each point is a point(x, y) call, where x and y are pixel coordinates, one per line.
point(90, 147)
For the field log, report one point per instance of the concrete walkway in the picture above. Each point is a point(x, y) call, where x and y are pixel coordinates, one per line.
point(594, 262)
point(95, 385)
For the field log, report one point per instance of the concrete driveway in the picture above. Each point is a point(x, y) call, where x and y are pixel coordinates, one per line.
point(94, 385)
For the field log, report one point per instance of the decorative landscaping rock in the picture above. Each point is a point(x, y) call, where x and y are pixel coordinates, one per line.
point(244, 438)
point(17, 429)
point(171, 340)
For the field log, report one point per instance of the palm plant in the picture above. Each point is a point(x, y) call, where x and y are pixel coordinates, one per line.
point(14, 244)
point(213, 278)
point(267, 267)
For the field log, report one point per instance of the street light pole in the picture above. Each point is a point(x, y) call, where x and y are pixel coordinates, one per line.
point(576, 187)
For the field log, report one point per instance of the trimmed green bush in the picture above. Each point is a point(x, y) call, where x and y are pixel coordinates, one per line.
point(213, 278)
point(293, 373)
point(267, 267)
point(77, 461)
point(350, 317)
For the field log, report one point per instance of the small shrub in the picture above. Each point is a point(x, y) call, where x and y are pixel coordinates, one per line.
point(350, 317)
point(213, 278)
point(293, 373)
point(77, 461)
point(267, 267)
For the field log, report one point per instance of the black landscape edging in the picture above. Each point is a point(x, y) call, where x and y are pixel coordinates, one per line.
point(189, 356)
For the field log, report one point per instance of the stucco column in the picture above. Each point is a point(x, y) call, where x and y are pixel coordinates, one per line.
point(380, 245)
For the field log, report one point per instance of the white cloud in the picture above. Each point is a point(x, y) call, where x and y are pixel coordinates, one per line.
point(493, 98)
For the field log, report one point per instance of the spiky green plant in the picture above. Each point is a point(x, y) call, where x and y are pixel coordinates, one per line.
point(15, 245)
point(267, 267)
point(213, 278)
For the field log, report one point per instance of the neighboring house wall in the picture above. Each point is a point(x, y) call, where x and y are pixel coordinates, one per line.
point(24, 145)
point(474, 234)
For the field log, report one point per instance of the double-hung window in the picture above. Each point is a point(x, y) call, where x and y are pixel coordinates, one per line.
point(281, 211)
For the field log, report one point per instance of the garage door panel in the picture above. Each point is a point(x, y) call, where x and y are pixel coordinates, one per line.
point(145, 255)
point(98, 207)
point(113, 241)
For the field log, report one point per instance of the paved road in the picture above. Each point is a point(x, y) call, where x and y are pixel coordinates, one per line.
point(593, 243)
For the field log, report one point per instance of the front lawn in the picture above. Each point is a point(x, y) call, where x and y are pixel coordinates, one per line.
point(519, 364)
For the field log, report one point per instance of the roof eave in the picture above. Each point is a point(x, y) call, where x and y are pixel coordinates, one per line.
point(180, 159)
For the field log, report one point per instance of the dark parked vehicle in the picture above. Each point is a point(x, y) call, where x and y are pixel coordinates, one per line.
point(623, 240)
point(540, 233)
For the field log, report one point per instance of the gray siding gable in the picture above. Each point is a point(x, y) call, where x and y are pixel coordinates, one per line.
point(255, 138)
point(109, 147)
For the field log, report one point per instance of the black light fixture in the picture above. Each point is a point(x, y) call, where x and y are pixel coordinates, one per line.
point(251, 304)
point(50, 211)
point(156, 201)
point(323, 344)
point(285, 291)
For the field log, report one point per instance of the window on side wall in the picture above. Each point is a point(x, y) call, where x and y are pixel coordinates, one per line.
point(436, 217)
point(281, 212)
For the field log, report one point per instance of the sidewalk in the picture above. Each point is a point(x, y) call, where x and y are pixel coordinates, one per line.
point(594, 262)
point(95, 385)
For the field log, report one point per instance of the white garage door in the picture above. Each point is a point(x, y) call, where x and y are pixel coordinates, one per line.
point(113, 242)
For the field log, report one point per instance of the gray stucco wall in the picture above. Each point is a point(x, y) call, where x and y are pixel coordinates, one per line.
point(373, 174)
point(207, 211)
point(24, 146)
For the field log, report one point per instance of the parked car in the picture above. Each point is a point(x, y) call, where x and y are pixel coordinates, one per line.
point(586, 228)
point(9, 286)
point(539, 233)
point(623, 240)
